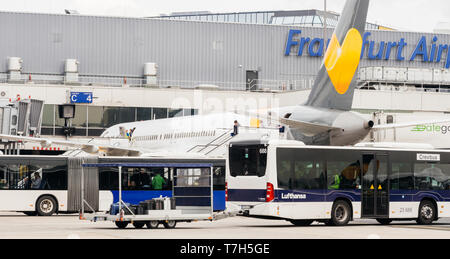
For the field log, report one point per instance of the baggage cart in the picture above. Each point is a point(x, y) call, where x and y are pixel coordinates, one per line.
point(192, 199)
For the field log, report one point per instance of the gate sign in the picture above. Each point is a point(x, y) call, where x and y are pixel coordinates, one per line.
point(81, 97)
point(429, 157)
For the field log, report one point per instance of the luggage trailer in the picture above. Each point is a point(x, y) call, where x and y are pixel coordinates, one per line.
point(192, 190)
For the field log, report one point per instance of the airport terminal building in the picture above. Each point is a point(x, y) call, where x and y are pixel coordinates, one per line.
point(139, 68)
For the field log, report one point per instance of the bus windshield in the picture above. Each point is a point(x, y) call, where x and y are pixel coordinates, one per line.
point(248, 160)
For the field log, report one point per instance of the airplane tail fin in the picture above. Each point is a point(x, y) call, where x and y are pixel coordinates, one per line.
point(335, 84)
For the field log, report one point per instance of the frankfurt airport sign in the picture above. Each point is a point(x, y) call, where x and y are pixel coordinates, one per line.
point(424, 50)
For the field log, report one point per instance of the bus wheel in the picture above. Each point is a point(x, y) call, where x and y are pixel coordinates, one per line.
point(341, 214)
point(384, 221)
point(427, 213)
point(170, 224)
point(46, 206)
point(301, 223)
point(121, 224)
point(152, 224)
point(138, 225)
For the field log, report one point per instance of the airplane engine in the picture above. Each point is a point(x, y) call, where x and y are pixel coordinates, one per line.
point(354, 129)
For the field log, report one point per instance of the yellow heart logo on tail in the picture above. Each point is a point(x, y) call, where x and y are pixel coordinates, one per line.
point(342, 62)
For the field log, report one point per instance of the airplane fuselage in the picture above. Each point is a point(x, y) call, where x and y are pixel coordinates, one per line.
point(184, 134)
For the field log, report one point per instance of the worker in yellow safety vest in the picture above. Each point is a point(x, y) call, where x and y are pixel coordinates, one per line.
point(336, 184)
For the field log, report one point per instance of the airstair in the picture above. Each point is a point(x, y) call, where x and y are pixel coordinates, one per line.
point(213, 145)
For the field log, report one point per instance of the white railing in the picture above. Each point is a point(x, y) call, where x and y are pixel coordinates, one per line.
point(404, 86)
point(304, 83)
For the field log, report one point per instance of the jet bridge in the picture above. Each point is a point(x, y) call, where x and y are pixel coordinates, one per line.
point(21, 118)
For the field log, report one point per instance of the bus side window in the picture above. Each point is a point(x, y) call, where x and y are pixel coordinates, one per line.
point(53, 176)
point(422, 180)
point(108, 178)
point(308, 175)
point(285, 168)
point(402, 176)
point(19, 177)
point(219, 178)
point(446, 176)
point(430, 176)
point(3, 177)
point(344, 175)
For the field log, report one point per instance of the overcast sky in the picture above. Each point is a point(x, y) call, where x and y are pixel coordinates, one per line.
point(411, 15)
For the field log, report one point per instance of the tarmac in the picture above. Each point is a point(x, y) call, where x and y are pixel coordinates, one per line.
point(19, 226)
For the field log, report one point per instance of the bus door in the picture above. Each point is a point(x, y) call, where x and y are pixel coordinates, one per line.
point(375, 186)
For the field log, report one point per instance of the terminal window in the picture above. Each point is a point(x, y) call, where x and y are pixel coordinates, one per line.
point(93, 120)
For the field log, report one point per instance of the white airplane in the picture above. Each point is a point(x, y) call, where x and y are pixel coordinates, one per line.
point(325, 119)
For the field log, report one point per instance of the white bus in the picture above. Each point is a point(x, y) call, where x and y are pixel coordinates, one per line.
point(302, 184)
point(45, 185)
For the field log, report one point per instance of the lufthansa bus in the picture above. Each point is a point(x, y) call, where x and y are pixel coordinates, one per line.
point(45, 185)
point(287, 180)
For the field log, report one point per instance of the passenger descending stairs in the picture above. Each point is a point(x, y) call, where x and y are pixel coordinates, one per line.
point(213, 145)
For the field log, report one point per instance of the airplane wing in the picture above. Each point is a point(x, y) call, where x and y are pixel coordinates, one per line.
point(307, 128)
point(86, 147)
point(410, 124)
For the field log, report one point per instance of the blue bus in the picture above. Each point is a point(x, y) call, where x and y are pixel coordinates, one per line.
point(287, 180)
point(138, 184)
